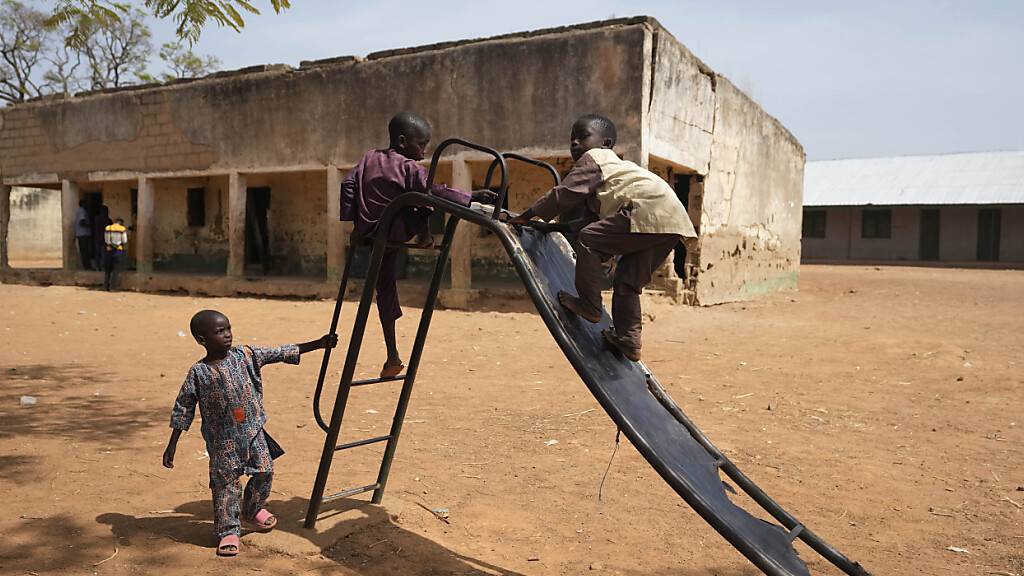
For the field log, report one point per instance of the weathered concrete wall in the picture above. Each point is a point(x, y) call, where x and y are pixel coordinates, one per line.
point(180, 247)
point(753, 195)
point(34, 232)
point(681, 110)
point(296, 224)
point(512, 93)
point(958, 235)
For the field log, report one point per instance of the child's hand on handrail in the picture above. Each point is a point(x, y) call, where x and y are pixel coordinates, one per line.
point(324, 342)
point(484, 197)
point(522, 219)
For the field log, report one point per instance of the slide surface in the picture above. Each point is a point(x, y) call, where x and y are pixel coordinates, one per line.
point(621, 387)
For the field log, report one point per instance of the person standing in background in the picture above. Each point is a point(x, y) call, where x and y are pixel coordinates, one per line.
point(115, 238)
point(99, 227)
point(83, 235)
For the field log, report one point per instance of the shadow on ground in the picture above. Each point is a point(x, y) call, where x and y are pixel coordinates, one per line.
point(66, 406)
point(17, 469)
point(370, 545)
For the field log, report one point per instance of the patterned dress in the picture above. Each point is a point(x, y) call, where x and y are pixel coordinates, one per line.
point(230, 397)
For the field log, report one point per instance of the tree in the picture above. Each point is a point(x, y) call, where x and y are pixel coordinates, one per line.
point(23, 40)
point(184, 63)
point(117, 51)
point(64, 75)
point(190, 15)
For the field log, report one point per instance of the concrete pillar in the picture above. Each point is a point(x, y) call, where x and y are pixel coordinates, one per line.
point(462, 245)
point(337, 238)
point(461, 292)
point(144, 226)
point(5, 220)
point(68, 208)
point(236, 224)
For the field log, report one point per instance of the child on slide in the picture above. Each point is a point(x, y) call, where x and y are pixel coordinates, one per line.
point(632, 214)
point(381, 176)
point(227, 386)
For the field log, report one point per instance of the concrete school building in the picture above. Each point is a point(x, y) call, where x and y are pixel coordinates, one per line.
point(230, 183)
point(949, 208)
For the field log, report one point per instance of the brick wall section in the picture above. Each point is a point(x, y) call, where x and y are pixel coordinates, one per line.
point(65, 138)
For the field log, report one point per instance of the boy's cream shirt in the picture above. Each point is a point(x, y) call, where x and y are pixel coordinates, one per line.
point(655, 207)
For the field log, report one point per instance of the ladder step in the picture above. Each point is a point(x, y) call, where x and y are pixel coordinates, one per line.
point(350, 492)
point(792, 535)
point(378, 380)
point(434, 246)
point(361, 442)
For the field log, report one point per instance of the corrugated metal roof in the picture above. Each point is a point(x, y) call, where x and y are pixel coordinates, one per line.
point(975, 178)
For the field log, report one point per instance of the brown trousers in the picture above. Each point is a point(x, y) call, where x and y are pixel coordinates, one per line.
point(639, 256)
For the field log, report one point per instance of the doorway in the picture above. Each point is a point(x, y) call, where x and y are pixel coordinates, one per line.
point(681, 185)
point(257, 228)
point(988, 233)
point(929, 246)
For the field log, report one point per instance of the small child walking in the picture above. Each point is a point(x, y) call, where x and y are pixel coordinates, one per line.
point(631, 213)
point(380, 177)
point(228, 387)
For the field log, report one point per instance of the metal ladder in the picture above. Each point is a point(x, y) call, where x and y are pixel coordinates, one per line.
point(333, 428)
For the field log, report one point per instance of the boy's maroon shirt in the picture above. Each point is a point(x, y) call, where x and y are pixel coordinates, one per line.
point(380, 177)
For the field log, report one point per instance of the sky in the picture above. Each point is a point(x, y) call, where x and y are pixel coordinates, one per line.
point(849, 79)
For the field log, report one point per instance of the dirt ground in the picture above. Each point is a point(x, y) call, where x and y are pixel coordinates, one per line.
point(882, 406)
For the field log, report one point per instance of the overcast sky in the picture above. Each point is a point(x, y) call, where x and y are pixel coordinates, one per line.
point(849, 79)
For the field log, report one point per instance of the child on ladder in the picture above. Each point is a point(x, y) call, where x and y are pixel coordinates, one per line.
point(631, 213)
point(380, 177)
point(227, 386)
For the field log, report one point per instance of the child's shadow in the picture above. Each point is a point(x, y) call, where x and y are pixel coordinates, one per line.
point(370, 544)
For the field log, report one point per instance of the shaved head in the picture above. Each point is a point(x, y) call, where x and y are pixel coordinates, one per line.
point(408, 124)
point(203, 321)
point(599, 125)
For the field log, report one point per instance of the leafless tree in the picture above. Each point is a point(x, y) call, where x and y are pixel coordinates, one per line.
point(64, 75)
point(117, 51)
point(23, 40)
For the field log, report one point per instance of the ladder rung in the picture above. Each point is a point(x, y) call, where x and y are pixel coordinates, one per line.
point(378, 380)
point(792, 535)
point(361, 442)
point(350, 492)
point(414, 247)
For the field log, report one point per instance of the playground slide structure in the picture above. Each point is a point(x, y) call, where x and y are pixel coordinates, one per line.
point(630, 394)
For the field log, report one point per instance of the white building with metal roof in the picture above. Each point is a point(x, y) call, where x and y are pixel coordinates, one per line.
point(947, 207)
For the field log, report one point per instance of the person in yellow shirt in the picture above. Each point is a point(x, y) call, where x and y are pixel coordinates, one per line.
point(115, 239)
point(631, 213)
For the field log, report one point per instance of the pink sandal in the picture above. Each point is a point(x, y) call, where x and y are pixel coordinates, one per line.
point(264, 521)
point(229, 546)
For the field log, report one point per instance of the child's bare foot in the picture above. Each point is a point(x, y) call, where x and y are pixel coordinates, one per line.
point(229, 545)
point(628, 351)
point(575, 305)
point(424, 239)
point(392, 368)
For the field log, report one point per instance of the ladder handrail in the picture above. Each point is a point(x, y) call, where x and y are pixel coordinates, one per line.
point(342, 288)
point(526, 159)
point(380, 242)
point(435, 159)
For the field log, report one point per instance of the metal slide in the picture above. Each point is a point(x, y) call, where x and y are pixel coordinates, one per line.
point(626, 390)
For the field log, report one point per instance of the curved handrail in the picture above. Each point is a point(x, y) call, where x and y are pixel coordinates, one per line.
point(503, 189)
point(516, 156)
